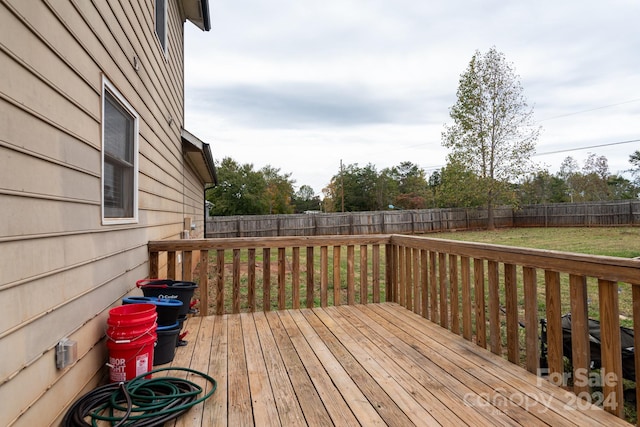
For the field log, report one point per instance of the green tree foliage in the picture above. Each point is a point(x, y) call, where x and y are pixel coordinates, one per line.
point(305, 200)
point(243, 191)
point(594, 182)
point(459, 187)
point(543, 187)
point(279, 190)
point(411, 189)
point(620, 188)
point(492, 135)
point(354, 185)
point(634, 159)
point(364, 189)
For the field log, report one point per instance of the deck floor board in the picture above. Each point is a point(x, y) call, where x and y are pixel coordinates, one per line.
point(375, 364)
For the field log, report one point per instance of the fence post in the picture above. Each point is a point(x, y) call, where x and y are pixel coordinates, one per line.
point(546, 220)
point(383, 223)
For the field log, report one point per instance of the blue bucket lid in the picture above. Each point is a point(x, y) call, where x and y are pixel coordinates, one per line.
point(167, 327)
point(166, 302)
point(137, 299)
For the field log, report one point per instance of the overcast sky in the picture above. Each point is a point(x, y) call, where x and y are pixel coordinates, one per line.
point(301, 85)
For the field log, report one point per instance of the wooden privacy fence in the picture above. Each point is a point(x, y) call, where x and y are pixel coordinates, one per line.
point(354, 223)
point(479, 291)
point(578, 214)
point(424, 220)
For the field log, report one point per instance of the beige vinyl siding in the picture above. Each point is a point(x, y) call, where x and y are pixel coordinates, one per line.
point(61, 269)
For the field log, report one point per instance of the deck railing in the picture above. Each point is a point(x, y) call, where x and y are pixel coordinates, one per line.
point(490, 294)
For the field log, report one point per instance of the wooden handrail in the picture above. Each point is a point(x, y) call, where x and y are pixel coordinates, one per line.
point(462, 286)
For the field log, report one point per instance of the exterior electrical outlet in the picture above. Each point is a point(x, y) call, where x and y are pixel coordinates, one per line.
point(66, 353)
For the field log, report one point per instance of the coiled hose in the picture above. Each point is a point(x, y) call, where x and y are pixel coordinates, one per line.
point(139, 402)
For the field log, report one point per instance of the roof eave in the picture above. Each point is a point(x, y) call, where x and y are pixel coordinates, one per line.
point(198, 153)
point(196, 11)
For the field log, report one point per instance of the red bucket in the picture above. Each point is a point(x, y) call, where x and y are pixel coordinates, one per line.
point(131, 320)
point(132, 315)
point(130, 358)
point(131, 336)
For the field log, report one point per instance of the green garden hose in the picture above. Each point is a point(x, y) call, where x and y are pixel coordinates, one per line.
point(139, 402)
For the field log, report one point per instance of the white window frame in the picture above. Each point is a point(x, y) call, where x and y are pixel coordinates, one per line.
point(164, 40)
point(107, 86)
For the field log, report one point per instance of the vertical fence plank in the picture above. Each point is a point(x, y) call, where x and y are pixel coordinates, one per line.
point(479, 300)
point(442, 279)
point(531, 317)
point(415, 253)
point(635, 292)
point(351, 291)
point(266, 279)
point(337, 285)
point(154, 265)
point(554, 324)
point(375, 282)
point(324, 276)
point(610, 347)
point(408, 279)
point(465, 272)
point(282, 274)
point(220, 281)
point(390, 272)
point(251, 279)
point(187, 266)
point(494, 308)
point(433, 287)
point(204, 282)
point(295, 277)
point(401, 297)
point(580, 349)
point(455, 299)
point(511, 301)
point(310, 276)
point(424, 282)
point(364, 274)
point(171, 265)
point(236, 281)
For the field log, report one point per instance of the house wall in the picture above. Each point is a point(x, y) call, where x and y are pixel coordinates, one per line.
point(60, 268)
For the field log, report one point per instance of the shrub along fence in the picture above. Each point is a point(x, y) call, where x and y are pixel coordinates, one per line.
point(421, 221)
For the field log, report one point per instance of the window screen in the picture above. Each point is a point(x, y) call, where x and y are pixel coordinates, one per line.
point(161, 23)
point(119, 157)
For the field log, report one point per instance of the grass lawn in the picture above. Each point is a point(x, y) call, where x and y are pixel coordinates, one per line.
point(614, 241)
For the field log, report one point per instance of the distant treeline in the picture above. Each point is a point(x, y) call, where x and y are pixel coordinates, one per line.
point(420, 221)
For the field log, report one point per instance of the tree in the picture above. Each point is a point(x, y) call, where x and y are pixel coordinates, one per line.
point(356, 185)
point(240, 190)
point(411, 189)
point(592, 183)
point(305, 200)
point(459, 187)
point(621, 188)
point(492, 134)
point(542, 187)
point(569, 173)
point(634, 159)
point(279, 190)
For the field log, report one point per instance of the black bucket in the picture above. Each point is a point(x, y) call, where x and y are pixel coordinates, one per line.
point(169, 289)
point(167, 309)
point(165, 348)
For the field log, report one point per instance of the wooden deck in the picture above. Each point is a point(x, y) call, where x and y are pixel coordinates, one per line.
point(375, 364)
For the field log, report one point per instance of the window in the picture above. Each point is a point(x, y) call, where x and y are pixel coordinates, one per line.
point(161, 23)
point(119, 158)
